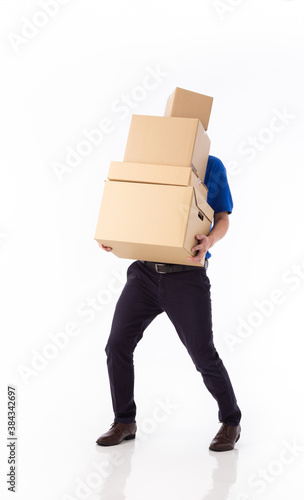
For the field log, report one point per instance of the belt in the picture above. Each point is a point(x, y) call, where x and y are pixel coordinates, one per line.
point(161, 268)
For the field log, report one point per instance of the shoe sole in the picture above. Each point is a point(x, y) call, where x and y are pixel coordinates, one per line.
point(127, 438)
point(230, 449)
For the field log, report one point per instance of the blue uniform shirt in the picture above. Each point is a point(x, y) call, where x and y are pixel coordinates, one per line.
point(219, 195)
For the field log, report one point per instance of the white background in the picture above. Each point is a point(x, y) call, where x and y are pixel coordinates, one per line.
point(62, 79)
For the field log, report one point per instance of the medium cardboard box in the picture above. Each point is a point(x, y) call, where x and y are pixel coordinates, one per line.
point(168, 141)
point(153, 222)
point(156, 174)
point(187, 104)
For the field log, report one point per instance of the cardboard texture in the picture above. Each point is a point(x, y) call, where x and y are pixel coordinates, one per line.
point(161, 140)
point(187, 104)
point(153, 222)
point(156, 174)
point(155, 201)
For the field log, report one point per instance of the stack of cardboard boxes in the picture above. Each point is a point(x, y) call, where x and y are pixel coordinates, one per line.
point(155, 201)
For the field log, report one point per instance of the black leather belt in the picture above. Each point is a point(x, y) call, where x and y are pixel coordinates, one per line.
point(162, 268)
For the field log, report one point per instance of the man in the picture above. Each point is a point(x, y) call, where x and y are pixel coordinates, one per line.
point(183, 292)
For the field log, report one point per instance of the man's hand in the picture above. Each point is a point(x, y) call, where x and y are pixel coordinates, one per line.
point(107, 249)
point(204, 244)
point(220, 228)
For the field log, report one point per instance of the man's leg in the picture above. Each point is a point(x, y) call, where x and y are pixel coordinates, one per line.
point(135, 309)
point(186, 300)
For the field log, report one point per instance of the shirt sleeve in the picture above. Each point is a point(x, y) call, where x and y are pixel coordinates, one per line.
point(219, 194)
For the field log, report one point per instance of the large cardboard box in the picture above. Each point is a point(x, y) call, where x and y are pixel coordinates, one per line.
point(152, 222)
point(187, 104)
point(156, 174)
point(168, 141)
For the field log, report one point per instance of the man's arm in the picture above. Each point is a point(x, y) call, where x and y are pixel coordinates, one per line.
point(220, 228)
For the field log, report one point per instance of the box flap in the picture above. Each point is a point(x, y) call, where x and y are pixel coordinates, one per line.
point(203, 206)
point(197, 183)
point(150, 173)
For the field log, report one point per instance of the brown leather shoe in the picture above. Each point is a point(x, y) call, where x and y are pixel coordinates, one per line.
point(117, 433)
point(226, 438)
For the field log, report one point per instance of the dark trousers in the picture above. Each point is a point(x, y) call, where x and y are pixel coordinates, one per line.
point(185, 297)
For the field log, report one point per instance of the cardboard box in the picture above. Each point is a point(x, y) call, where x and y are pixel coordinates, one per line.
point(187, 104)
point(162, 140)
point(152, 222)
point(156, 174)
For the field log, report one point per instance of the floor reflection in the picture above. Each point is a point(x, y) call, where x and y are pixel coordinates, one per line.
point(114, 484)
point(224, 474)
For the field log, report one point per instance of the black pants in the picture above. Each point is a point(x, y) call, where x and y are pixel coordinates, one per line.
point(185, 297)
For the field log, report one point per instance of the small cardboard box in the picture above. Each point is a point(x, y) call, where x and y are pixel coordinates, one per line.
point(187, 104)
point(168, 141)
point(153, 222)
point(156, 174)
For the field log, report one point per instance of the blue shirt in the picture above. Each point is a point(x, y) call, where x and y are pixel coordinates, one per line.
point(219, 195)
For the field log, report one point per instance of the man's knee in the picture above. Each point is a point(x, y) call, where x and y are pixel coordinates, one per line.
point(118, 346)
point(112, 346)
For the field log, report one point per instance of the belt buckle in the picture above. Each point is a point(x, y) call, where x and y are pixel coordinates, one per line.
point(156, 268)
